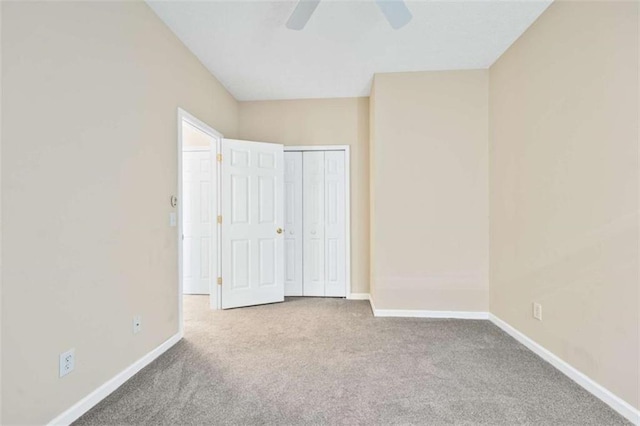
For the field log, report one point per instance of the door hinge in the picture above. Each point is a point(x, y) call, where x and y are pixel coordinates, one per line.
point(219, 219)
point(219, 157)
point(219, 280)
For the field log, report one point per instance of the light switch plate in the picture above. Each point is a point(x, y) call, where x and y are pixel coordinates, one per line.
point(537, 311)
point(173, 219)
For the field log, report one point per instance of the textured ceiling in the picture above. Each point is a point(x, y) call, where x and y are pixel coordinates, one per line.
point(248, 48)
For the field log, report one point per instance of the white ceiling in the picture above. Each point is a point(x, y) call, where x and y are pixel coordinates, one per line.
point(248, 48)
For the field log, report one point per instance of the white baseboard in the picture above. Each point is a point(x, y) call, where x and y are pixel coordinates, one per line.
point(405, 313)
point(622, 407)
point(410, 313)
point(358, 296)
point(89, 401)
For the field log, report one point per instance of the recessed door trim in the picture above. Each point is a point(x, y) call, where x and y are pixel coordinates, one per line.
point(347, 195)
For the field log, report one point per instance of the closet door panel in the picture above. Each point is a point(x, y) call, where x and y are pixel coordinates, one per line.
point(293, 224)
point(335, 226)
point(314, 247)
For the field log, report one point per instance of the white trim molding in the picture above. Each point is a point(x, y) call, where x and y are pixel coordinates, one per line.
point(358, 296)
point(194, 121)
point(407, 313)
point(618, 404)
point(89, 401)
point(412, 313)
point(317, 147)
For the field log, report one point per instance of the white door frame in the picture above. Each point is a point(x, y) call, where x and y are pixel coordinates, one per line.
point(184, 116)
point(347, 192)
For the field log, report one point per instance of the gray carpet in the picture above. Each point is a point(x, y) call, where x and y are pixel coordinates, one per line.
point(329, 361)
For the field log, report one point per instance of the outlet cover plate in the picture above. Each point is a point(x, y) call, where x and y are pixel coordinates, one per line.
point(67, 362)
point(137, 324)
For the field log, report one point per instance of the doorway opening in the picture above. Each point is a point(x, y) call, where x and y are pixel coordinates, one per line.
point(198, 206)
point(242, 236)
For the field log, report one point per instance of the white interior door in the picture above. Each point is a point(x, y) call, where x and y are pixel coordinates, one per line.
point(324, 222)
point(313, 222)
point(335, 226)
point(252, 221)
point(197, 181)
point(293, 223)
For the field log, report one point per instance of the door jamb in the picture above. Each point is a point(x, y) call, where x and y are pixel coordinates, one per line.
point(184, 116)
point(347, 191)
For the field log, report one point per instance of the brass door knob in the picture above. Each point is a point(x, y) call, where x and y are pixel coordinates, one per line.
point(279, 230)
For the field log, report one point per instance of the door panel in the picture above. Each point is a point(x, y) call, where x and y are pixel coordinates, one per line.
point(266, 206)
point(313, 196)
point(335, 226)
point(197, 182)
point(267, 262)
point(252, 211)
point(293, 223)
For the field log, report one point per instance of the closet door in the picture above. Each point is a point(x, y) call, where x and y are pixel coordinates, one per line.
point(293, 223)
point(313, 222)
point(335, 226)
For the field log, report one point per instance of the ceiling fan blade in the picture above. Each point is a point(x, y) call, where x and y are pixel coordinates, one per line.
point(301, 14)
point(396, 12)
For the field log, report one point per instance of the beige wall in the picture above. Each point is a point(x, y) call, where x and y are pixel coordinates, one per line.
point(192, 136)
point(323, 122)
point(564, 188)
point(429, 177)
point(89, 98)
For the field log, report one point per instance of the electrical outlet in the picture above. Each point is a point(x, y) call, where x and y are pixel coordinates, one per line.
point(137, 324)
point(537, 311)
point(67, 362)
